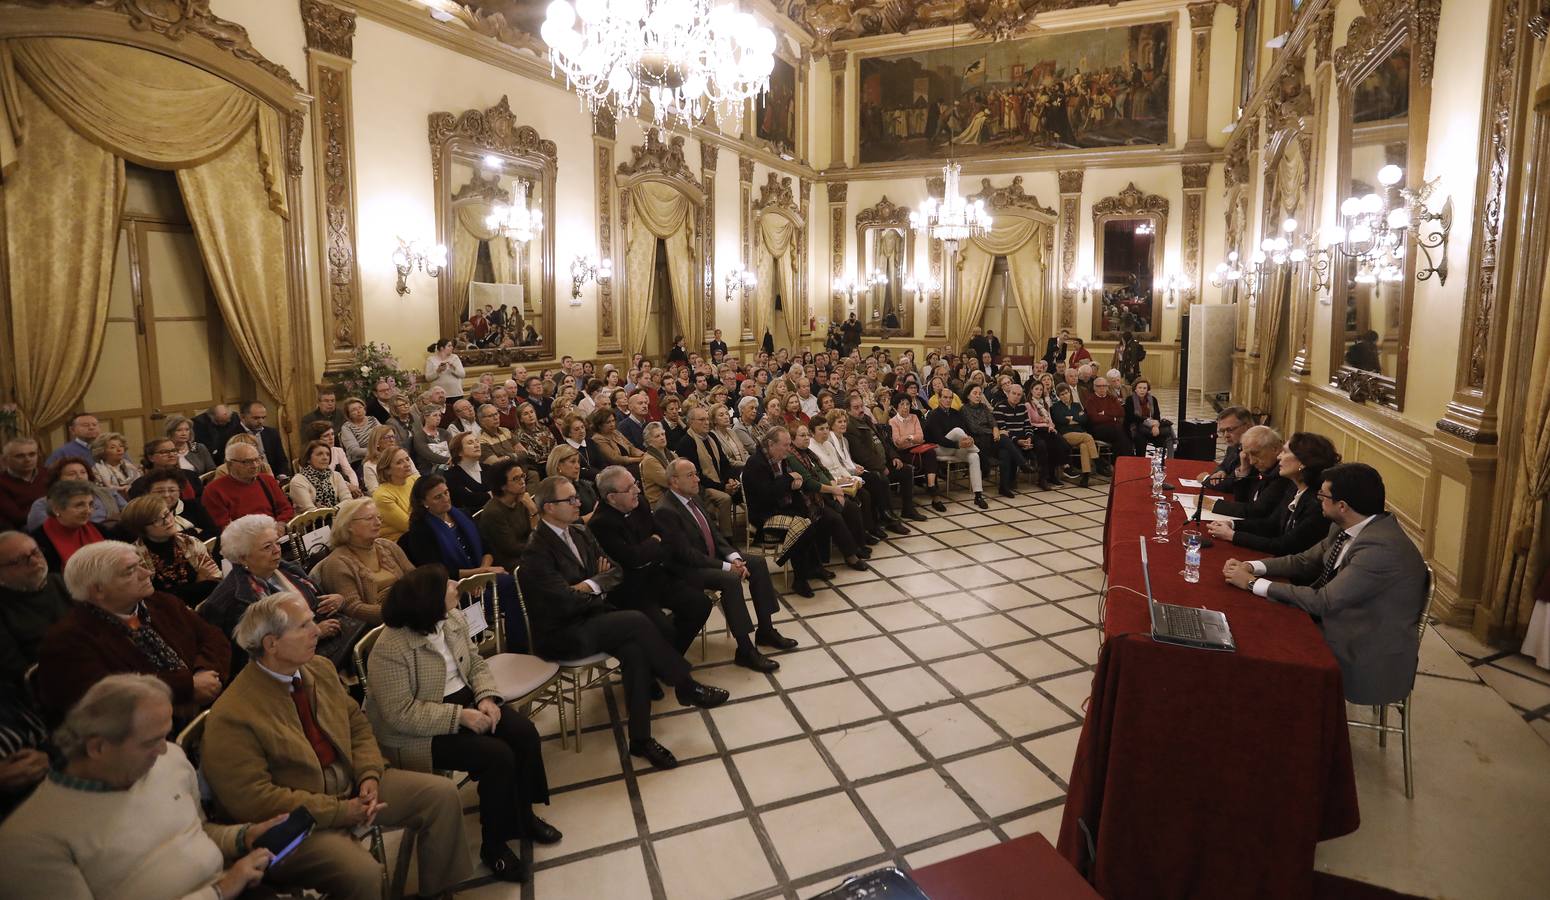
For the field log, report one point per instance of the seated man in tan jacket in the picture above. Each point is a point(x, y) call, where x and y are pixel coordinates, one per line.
point(285, 734)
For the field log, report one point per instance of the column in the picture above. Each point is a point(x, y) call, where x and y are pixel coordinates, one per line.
point(745, 233)
point(804, 296)
point(1195, 177)
point(1070, 230)
point(603, 173)
point(708, 239)
point(1200, 17)
point(837, 300)
point(837, 60)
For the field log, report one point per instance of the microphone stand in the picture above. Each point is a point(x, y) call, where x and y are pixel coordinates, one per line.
point(1200, 505)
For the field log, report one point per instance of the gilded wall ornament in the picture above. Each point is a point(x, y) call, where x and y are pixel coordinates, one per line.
point(329, 28)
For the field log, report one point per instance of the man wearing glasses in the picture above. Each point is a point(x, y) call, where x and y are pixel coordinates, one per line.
point(566, 580)
point(244, 490)
point(1366, 582)
point(31, 599)
point(1230, 426)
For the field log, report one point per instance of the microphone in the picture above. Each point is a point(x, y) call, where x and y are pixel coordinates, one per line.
point(1200, 505)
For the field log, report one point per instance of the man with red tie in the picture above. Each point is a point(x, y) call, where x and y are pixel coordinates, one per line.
point(704, 559)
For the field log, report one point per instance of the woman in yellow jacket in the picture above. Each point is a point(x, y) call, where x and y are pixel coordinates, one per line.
point(397, 473)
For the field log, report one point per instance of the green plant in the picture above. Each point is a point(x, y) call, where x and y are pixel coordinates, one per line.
point(371, 364)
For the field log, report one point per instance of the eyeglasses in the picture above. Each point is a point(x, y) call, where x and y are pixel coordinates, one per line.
point(252, 461)
point(1323, 496)
point(575, 499)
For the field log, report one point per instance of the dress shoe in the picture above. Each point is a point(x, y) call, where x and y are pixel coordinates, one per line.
point(656, 690)
point(659, 756)
point(938, 505)
point(542, 832)
point(1084, 479)
point(873, 538)
point(801, 587)
point(692, 693)
point(826, 574)
point(914, 516)
point(864, 552)
point(504, 864)
point(752, 659)
point(1009, 493)
point(858, 565)
point(979, 500)
point(769, 637)
point(898, 527)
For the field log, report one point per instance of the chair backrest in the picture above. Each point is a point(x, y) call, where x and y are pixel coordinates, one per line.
point(527, 626)
point(1426, 611)
point(480, 589)
point(303, 525)
point(208, 477)
point(192, 735)
point(361, 652)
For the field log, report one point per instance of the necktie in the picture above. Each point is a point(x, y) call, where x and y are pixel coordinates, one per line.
point(565, 536)
point(1334, 555)
point(699, 518)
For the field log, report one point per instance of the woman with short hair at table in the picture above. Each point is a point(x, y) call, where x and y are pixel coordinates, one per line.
point(1300, 523)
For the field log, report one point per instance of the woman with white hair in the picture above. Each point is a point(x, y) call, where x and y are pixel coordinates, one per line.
point(362, 567)
point(251, 546)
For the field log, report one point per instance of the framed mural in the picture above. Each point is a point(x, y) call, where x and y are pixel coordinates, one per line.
point(775, 110)
point(1105, 87)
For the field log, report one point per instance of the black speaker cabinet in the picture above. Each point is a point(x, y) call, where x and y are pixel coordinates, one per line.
point(1197, 440)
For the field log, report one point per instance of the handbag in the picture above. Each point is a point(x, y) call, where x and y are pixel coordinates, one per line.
point(927, 447)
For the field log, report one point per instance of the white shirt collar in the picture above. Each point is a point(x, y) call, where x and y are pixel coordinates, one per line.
point(563, 532)
point(1356, 529)
point(681, 498)
point(287, 679)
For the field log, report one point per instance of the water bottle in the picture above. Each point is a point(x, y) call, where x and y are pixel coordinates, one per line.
point(1162, 508)
point(1191, 557)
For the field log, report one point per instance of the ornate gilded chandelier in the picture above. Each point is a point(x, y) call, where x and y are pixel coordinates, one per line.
point(687, 57)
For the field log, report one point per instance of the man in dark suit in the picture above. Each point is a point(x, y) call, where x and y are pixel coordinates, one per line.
point(871, 446)
point(255, 417)
point(718, 479)
point(1231, 423)
point(772, 489)
point(992, 345)
point(1366, 582)
point(978, 345)
point(212, 427)
point(628, 533)
point(705, 560)
point(1055, 349)
point(1257, 494)
point(565, 579)
point(717, 344)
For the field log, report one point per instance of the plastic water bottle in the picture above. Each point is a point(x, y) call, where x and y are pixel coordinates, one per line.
point(1191, 557)
point(1162, 509)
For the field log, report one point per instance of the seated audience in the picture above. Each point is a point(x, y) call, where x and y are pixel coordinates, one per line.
point(120, 623)
point(1011, 449)
point(613, 448)
point(355, 431)
point(121, 816)
point(31, 600)
point(718, 477)
point(22, 482)
point(653, 466)
point(317, 484)
point(441, 534)
point(749, 414)
point(168, 483)
point(402, 420)
point(829, 447)
point(429, 444)
point(382, 440)
point(1231, 423)
point(338, 460)
point(180, 564)
point(628, 533)
point(564, 460)
point(286, 734)
point(1365, 583)
point(565, 580)
point(113, 468)
point(909, 436)
point(192, 455)
point(1051, 449)
point(362, 566)
point(162, 453)
point(67, 527)
point(434, 705)
point(244, 490)
point(1259, 488)
point(80, 430)
point(507, 519)
point(24, 749)
point(466, 473)
point(327, 410)
point(945, 427)
point(212, 427)
point(871, 446)
point(1143, 419)
point(107, 504)
point(393, 490)
point(1106, 418)
point(498, 441)
point(844, 509)
point(252, 421)
point(776, 506)
point(1071, 421)
point(1298, 524)
point(728, 436)
point(257, 571)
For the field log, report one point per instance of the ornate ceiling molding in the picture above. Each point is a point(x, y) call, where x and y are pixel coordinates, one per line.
point(885, 213)
point(1369, 32)
point(1131, 201)
point(329, 28)
point(829, 21)
point(1010, 197)
point(655, 157)
point(495, 128)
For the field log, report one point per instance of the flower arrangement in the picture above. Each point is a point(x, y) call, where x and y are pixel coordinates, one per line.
point(372, 363)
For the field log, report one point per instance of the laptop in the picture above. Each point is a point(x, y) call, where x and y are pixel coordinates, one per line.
point(1187, 626)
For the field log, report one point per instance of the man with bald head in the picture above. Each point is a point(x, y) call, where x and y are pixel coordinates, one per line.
point(1257, 493)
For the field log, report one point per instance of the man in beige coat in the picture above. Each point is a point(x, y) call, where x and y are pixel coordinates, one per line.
point(285, 734)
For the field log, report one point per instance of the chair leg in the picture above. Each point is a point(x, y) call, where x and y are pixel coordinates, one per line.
point(1405, 740)
point(559, 705)
point(1383, 725)
point(576, 710)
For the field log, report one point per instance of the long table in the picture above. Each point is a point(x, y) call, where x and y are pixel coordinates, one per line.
point(1201, 773)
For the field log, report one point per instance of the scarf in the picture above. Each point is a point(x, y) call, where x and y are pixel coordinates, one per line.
point(1142, 408)
point(169, 566)
point(145, 638)
point(68, 540)
point(322, 485)
point(460, 541)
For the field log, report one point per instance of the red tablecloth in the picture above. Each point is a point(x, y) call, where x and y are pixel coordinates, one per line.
point(1025, 868)
point(1202, 773)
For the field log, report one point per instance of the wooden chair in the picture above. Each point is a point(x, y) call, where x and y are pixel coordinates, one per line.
point(361, 652)
point(1403, 706)
point(575, 676)
point(299, 528)
point(520, 677)
point(209, 476)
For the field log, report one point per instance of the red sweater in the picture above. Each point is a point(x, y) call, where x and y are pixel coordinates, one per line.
point(1108, 410)
point(17, 497)
point(226, 499)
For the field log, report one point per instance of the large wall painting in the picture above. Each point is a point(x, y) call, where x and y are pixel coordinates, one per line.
point(1107, 87)
point(775, 110)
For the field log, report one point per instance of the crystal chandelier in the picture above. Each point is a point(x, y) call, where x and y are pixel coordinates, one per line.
point(952, 219)
point(516, 222)
point(687, 57)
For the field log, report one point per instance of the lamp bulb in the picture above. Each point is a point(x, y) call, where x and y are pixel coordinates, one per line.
point(1389, 175)
point(1289, 225)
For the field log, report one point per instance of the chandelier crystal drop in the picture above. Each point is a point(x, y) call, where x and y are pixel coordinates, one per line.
point(953, 219)
point(516, 222)
point(687, 57)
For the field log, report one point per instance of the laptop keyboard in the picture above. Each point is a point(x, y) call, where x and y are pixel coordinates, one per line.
point(1182, 621)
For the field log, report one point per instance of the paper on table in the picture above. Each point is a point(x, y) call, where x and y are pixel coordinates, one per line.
point(1188, 502)
point(1190, 483)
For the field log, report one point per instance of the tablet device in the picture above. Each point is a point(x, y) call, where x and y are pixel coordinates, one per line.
point(288, 835)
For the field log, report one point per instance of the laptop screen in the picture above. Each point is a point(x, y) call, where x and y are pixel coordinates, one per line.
point(1146, 576)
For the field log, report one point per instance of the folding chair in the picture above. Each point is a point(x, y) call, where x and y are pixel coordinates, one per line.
point(309, 533)
point(519, 677)
point(575, 676)
point(1403, 706)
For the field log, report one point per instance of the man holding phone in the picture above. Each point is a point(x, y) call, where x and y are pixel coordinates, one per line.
point(285, 734)
point(119, 768)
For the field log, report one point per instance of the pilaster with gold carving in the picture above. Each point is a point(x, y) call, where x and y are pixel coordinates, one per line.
point(1201, 16)
point(837, 61)
point(837, 300)
point(1195, 177)
point(330, 37)
point(708, 175)
point(1070, 226)
point(745, 232)
point(608, 341)
point(804, 296)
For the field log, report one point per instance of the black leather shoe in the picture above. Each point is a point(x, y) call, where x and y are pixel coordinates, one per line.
point(939, 506)
point(979, 500)
point(864, 552)
point(858, 565)
point(769, 637)
point(801, 587)
point(898, 527)
point(541, 832)
point(753, 659)
point(914, 516)
point(702, 695)
point(505, 865)
point(659, 756)
point(1009, 494)
point(826, 574)
point(1086, 477)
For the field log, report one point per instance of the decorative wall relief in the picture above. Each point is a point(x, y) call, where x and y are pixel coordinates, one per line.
point(330, 32)
point(1070, 228)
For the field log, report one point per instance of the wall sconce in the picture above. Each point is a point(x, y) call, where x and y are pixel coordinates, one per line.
point(739, 281)
point(412, 255)
point(1084, 285)
point(848, 288)
point(1375, 231)
point(587, 268)
point(1171, 286)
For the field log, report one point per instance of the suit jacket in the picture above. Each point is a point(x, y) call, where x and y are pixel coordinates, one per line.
point(768, 490)
point(717, 345)
point(1053, 352)
point(682, 533)
point(1369, 609)
point(708, 457)
point(213, 435)
point(870, 446)
point(1257, 497)
point(1229, 468)
point(1289, 529)
point(627, 540)
point(633, 431)
point(993, 346)
point(548, 570)
point(408, 680)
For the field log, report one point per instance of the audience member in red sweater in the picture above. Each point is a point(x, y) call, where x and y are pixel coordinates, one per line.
point(1106, 417)
point(244, 490)
point(21, 483)
point(118, 624)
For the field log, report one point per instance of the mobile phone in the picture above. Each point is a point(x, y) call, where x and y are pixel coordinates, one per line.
point(288, 835)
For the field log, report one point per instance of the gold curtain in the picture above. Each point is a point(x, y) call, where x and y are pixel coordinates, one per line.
point(775, 257)
point(469, 229)
point(1271, 312)
point(62, 198)
point(1012, 236)
point(1025, 269)
point(661, 211)
point(243, 245)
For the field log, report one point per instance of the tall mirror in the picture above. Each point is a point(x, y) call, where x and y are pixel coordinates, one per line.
point(494, 189)
point(1370, 326)
point(885, 252)
point(1128, 232)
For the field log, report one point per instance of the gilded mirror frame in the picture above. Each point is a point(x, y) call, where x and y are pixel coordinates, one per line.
point(470, 137)
point(1131, 203)
point(885, 215)
point(1289, 192)
point(1389, 27)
